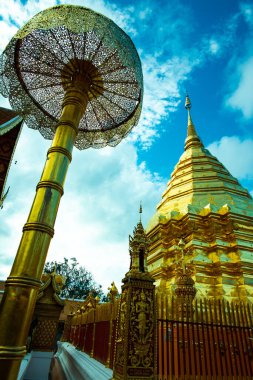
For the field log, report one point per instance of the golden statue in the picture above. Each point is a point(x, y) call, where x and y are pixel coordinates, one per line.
point(142, 308)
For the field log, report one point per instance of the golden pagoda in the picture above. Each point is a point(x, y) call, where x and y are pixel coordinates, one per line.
point(205, 207)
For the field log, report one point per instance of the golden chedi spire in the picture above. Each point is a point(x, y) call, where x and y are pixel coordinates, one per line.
point(208, 208)
point(199, 180)
point(140, 210)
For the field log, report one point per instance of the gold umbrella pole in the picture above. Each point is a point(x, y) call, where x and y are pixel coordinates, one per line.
point(23, 283)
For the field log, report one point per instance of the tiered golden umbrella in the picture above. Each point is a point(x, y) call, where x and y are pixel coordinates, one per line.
point(74, 75)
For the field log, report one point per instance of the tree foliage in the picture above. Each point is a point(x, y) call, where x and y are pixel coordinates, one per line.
point(78, 281)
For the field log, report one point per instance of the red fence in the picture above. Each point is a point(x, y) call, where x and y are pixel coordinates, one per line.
point(93, 331)
point(209, 340)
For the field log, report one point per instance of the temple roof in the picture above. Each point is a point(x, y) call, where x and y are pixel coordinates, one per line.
point(200, 184)
point(10, 127)
point(8, 120)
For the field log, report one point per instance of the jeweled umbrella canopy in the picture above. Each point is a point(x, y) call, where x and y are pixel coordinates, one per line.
point(43, 58)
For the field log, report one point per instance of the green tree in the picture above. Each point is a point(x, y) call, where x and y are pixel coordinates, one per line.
point(78, 281)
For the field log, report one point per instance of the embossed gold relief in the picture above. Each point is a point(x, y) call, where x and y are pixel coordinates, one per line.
point(141, 344)
point(121, 338)
point(135, 343)
point(122, 317)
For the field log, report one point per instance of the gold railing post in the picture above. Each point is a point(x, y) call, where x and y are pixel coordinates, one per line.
point(78, 328)
point(108, 360)
point(113, 293)
point(67, 328)
point(81, 339)
point(22, 285)
point(72, 329)
point(93, 333)
point(85, 333)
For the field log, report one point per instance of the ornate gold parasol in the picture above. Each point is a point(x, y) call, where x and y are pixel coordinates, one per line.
point(43, 59)
point(76, 77)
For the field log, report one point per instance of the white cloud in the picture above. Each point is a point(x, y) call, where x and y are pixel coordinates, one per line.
point(144, 13)
point(7, 32)
point(162, 81)
point(14, 11)
point(242, 97)
point(15, 14)
point(235, 154)
point(214, 46)
point(239, 97)
point(247, 12)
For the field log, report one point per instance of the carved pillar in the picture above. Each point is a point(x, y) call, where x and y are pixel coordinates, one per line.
point(135, 346)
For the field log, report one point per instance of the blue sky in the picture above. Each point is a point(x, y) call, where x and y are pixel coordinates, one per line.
point(203, 47)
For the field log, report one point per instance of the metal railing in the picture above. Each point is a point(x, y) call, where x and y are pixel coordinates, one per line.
point(206, 339)
point(211, 340)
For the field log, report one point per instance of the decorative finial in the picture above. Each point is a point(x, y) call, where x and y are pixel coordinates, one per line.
point(140, 210)
point(187, 102)
point(188, 107)
point(191, 129)
point(54, 268)
point(192, 136)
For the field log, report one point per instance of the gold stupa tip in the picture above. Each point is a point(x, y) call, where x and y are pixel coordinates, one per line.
point(190, 123)
point(187, 102)
point(140, 210)
point(192, 138)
